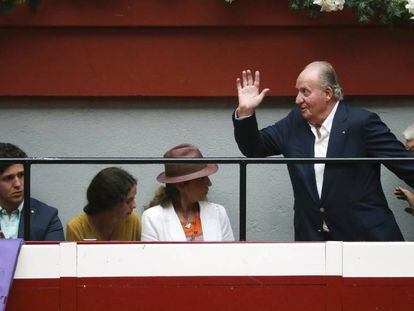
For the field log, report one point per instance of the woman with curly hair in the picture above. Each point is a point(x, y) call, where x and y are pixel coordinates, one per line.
point(109, 214)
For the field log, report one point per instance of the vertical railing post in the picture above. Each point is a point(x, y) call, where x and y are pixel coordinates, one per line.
point(26, 205)
point(242, 200)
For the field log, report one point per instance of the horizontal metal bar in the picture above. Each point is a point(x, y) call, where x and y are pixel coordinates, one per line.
point(220, 160)
point(151, 160)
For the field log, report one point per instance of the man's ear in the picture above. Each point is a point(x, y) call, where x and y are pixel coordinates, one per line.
point(329, 93)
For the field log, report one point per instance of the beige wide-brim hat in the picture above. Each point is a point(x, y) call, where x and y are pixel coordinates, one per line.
point(179, 172)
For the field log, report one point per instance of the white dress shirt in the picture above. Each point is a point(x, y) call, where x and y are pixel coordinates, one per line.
point(321, 147)
point(320, 150)
point(9, 224)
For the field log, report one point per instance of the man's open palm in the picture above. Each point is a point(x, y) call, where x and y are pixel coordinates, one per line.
point(248, 92)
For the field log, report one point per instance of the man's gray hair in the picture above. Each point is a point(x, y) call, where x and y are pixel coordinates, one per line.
point(329, 78)
point(409, 132)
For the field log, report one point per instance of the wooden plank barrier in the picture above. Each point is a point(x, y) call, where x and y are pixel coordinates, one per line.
point(215, 276)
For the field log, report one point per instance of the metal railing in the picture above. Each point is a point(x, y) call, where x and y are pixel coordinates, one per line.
point(242, 162)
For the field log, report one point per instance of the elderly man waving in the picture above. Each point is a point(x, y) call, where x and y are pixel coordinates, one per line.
point(332, 202)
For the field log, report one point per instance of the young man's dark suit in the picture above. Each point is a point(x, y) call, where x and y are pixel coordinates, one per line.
point(45, 224)
point(352, 202)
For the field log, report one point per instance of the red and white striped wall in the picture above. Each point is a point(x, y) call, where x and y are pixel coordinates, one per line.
point(215, 276)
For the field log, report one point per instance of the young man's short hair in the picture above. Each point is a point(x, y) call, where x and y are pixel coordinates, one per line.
point(8, 150)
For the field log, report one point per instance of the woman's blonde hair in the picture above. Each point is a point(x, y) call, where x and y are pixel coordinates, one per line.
point(163, 195)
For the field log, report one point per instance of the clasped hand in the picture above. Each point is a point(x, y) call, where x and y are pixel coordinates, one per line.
point(404, 194)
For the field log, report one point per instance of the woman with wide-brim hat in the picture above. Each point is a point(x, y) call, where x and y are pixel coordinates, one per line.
point(179, 211)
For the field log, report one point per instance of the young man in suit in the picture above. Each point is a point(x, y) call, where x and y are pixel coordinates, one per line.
point(333, 201)
point(45, 224)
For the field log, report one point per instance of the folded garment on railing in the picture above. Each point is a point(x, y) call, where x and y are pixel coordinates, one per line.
point(9, 253)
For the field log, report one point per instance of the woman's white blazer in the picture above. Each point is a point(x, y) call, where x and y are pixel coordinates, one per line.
point(162, 223)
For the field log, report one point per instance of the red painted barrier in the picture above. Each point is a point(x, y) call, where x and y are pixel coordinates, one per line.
point(42, 294)
point(215, 293)
point(191, 48)
point(231, 276)
point(361, 294)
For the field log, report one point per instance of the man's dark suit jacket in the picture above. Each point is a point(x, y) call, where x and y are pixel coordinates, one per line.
point(45, 224)
point(352, 202)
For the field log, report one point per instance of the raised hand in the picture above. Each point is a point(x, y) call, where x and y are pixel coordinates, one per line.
point(248, 93)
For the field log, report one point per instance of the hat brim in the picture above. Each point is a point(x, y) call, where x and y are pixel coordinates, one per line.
point(208, 170)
